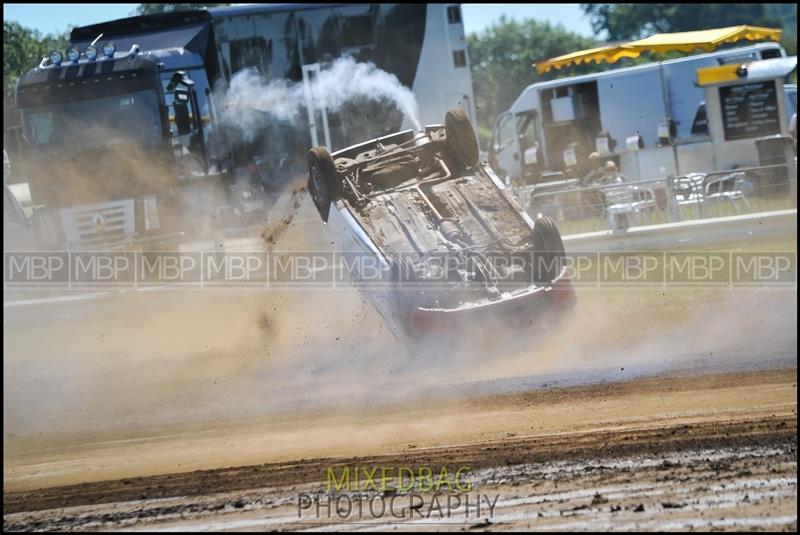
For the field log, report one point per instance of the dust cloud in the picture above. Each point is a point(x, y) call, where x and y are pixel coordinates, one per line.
point(145, 361)
point(124, 169)
point(250, 102)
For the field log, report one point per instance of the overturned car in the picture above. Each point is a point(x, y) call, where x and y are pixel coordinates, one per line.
point(452, 251)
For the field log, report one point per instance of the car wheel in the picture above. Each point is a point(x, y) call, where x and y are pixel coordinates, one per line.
point(403, 270)
point(461, 136)
point(548, 250)
point(321, 179)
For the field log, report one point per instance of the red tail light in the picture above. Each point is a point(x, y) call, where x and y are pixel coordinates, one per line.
point(563, 292)
point(423, 321)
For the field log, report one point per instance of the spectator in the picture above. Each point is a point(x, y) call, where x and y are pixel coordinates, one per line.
point(596, 171)
point(592, 199)
point(611, 174)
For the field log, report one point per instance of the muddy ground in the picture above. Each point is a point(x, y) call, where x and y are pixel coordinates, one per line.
point(717, 451)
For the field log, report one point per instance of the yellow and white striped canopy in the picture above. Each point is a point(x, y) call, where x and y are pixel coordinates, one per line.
point(706, 40)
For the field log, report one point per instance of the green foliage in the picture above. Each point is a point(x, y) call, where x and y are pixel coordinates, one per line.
point(787, 14)
point(23, 49)
point(502, 59)
point(147, 9)
point(633, 21)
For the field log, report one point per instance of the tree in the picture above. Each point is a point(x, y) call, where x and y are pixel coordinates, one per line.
point(633, 21)
point(147, 9)
point(23, 49)
point(502, 59)
point(787, 14)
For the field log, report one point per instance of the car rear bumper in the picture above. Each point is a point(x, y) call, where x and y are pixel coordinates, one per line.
point(514, 313)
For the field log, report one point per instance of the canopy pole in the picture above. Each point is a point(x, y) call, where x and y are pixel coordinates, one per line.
point(667, 115)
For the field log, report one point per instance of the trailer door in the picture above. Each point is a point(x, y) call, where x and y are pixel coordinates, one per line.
point(632, 104)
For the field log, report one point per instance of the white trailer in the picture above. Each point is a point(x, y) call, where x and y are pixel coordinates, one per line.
point(656, 109)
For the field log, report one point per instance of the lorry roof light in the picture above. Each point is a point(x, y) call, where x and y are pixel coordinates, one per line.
point(90, 52)
point(56, 57)
point(109, 49)
point(73, 54)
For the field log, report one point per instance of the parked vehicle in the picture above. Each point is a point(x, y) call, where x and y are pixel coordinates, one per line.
point(17, 234)
point(656, 109)
point(124, 128)
point(458, 256)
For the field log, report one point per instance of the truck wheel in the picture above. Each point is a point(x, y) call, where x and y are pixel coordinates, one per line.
point(548, 254)
point(461, 136)
point(321, 179)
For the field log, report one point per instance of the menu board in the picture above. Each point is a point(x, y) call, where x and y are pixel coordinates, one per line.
point(750, 110)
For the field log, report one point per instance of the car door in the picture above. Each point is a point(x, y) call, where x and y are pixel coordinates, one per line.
point(529, 145)
point(505, 150)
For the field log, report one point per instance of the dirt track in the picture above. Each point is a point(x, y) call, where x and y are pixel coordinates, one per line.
point(711, 451)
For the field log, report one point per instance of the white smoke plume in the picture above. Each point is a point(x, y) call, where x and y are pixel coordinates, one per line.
point(343, 81)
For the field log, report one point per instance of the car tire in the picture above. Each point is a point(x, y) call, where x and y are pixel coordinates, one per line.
point(548, 250)
point(461, 136)
point(403, 270)
point(321, 180)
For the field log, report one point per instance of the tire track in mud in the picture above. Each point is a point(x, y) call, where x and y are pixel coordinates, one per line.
point(615, 438)
point(696, 482)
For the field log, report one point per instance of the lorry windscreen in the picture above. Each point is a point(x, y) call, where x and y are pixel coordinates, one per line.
point(131, 118)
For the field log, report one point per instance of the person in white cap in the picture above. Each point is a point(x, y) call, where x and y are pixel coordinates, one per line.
point(611, 174)
point(596, 172)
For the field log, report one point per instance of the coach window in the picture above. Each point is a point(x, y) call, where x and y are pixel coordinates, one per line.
point(318, 31)
point(453, 14)
point(358, 31)
point(459, 58)
point(253, 52)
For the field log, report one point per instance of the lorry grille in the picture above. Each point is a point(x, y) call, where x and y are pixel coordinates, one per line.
point(98, 224)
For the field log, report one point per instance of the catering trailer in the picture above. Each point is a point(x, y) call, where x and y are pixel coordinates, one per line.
point(650, 118)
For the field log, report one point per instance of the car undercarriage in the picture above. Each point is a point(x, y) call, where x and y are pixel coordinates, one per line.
point(452, 233)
